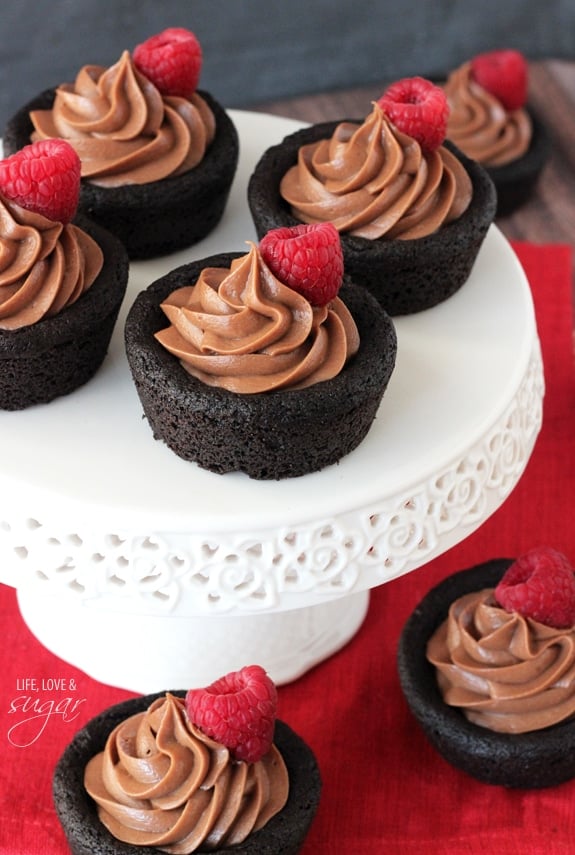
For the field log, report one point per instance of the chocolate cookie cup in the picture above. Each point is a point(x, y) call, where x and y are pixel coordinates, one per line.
point(515, 182)
point(58, 354)
point(160, 217)
point(268, 435)
point(86, 835)
point(541, 758)
point(405, 276)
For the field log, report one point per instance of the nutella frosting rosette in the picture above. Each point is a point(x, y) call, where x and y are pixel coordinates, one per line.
point(487, 665)
point(411, 210)
point(208, 770)
point(272, 362)
point(158, 155)
point(490, 121)
point(62, 280)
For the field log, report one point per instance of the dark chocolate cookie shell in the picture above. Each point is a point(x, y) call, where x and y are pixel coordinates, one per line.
point(543, 758)
point(269, 435)
point(57, 355)
point(86, 835)
point(161, 217)
point(405, 276)
point(515, 182)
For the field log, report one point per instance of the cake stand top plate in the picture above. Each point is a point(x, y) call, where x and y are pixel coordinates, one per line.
point(89, 461)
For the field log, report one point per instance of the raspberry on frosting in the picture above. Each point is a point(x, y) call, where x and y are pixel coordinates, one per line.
point(308, 258)
point(541, 585)
point(172, 60)
point(237, 710)
point(503, 73)
point(419, 109)
point(43, 177)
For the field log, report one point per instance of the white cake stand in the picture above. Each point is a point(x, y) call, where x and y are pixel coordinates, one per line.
point(150, 573)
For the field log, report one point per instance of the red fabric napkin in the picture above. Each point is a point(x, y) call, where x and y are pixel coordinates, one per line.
point(385, 789)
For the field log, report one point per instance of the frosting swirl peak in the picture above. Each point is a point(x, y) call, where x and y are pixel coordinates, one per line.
point(373, 181)
point(44, 265)
point(243, 330)
point(505, 672)
point(161, 782)
point(123, 129)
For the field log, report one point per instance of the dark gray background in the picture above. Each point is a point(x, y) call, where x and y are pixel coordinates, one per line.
point(259, 50)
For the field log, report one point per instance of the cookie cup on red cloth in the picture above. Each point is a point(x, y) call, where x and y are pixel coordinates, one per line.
point(542, 758)
point(86, 835)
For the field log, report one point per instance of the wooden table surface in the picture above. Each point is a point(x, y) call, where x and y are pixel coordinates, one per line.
point(549, 216)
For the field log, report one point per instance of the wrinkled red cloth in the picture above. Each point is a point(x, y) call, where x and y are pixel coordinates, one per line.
point(385, 789)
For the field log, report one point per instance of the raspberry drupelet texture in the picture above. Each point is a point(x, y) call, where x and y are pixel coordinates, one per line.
point(419, 109)
point(503, 73)
point(308, 258)
point(237, 710)
point(541, 585)
point(43, 177)
point(172, 60)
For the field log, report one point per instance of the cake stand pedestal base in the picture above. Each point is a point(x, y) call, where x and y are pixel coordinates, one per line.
point(149, 653)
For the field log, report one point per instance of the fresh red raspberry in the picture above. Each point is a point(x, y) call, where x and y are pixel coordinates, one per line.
point(503, 73)
point(419, 109)
point(172, 60)
point(43, 177)
point(541, 585)
point(308, 258)
point(238, 710)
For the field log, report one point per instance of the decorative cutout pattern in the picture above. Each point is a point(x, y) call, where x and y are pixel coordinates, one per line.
point(187, 574)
